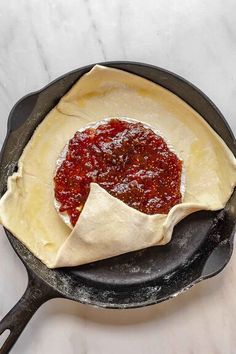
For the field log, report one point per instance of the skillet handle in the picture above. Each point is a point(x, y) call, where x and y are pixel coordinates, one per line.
point(17, 318)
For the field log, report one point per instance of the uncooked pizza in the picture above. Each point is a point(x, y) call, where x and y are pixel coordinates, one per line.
point(112, 169)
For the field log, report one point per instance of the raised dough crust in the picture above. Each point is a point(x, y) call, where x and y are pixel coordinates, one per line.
point(108, 227)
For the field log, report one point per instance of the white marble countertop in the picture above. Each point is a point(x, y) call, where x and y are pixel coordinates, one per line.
point(42, 39)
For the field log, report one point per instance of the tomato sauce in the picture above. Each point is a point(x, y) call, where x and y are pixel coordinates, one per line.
point(128, 160)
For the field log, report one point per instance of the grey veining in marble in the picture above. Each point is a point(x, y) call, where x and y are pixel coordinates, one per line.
point(42, 39)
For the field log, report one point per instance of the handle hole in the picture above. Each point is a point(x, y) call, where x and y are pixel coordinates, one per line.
point(4, 336)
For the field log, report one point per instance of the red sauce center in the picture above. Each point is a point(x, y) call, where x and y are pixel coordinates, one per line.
point(128, 160)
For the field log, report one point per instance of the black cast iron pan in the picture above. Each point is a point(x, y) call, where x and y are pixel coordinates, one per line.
point(201, 246)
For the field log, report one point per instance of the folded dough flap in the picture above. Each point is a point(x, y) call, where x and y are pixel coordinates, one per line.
point(108, 227)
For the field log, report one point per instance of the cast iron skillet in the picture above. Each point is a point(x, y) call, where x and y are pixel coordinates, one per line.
point(201, 246)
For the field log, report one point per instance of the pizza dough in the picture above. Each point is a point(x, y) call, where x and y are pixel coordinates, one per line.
point(108, 227)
